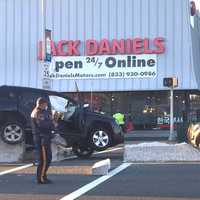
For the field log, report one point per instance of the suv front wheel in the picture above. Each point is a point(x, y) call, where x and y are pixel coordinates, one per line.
point(12, 132)
point(100, 139)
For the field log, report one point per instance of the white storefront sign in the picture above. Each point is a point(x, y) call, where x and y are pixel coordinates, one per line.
point(103, 67)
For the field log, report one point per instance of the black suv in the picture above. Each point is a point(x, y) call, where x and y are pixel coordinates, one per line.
point(83, 130)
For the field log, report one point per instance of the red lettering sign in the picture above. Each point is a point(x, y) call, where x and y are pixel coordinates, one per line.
point(91, 47)
point(73, 48)
point(137, 46)
point(147, 49)
point(105, 47)
point(60, 48)
point(118, 47)
point(159, 43)
point(128, 46)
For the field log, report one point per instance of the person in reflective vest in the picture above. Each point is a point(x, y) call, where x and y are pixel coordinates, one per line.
point(42, 126)
point(120, 119)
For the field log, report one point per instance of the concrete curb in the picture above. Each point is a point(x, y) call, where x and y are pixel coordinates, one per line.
point(60, 153)
point(11, 152)
point(102, 167)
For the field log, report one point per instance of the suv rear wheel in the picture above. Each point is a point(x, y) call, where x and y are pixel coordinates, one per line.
point(100, 139)
point(12, 132)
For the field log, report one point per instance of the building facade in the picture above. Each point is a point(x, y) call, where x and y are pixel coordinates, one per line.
point(135, 42)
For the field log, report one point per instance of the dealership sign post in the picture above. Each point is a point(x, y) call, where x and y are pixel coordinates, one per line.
point(47, 55)
point(47, 82)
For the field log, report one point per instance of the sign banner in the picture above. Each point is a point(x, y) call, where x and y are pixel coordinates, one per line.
point(103, 67)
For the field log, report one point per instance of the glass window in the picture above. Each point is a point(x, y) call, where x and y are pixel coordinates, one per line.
point(62, 105)
point(194, 114)
point(146, 109)
point(58, 103)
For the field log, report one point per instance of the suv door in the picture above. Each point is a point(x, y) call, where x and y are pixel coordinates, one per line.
point(8, 100)
point(68, 122)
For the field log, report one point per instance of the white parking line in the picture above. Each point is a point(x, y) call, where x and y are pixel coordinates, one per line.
point(71, 157)
point(168, 163)
point(15, 169)
point(109, 150)
point(95, 183)
point(101, 152)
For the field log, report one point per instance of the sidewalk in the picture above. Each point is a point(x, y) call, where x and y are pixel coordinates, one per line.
point(147, 135)
point(160, 152)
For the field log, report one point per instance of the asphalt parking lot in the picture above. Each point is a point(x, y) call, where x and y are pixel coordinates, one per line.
point(148, 182)
point(73, 180)
point(67, 176)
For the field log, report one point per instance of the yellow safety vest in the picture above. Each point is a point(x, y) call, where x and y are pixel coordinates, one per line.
point(119, 118)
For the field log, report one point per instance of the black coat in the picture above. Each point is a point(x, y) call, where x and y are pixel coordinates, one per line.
point(42, 126)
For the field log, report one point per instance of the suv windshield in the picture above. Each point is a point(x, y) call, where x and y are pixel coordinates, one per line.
point(62, 105)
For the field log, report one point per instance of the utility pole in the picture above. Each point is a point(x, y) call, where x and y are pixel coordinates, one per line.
point(172, 136)
point(171, 83)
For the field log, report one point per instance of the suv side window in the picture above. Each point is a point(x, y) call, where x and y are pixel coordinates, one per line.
point(8, 100)
point(5, 94)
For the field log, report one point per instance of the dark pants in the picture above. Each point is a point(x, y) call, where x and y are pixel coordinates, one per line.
point(123, 127)
point(44, 156)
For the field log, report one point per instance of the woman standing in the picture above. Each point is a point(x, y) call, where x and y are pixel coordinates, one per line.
point(42, 126)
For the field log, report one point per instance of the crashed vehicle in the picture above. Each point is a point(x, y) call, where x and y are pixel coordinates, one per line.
point(83, 129)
